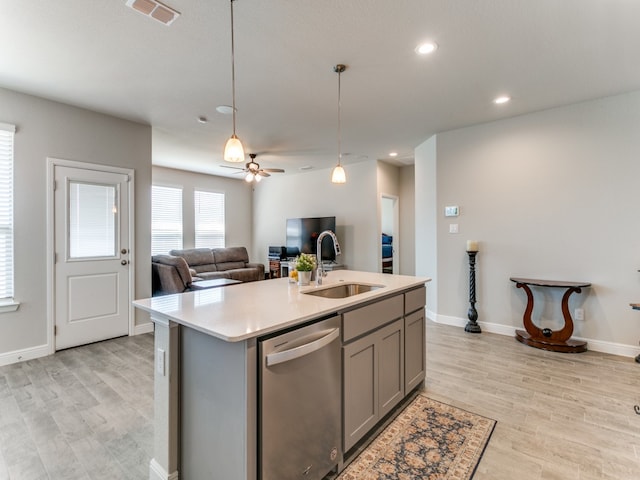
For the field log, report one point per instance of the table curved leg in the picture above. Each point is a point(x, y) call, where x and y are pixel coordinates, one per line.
point(566, 332)
point(526, 318)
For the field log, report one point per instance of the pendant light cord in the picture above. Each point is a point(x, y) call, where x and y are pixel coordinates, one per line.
point(233, 73)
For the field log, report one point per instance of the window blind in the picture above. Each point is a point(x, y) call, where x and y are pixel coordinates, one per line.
point(209, 219)
point(166, 219)
point(6, 210)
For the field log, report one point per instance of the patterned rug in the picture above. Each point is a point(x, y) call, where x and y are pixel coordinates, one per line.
point(428, 440)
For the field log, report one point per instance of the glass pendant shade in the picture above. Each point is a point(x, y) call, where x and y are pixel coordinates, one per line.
point(338, 175)
point(233, 150)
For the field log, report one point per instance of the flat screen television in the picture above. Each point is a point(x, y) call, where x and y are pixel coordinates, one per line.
point(302, 233)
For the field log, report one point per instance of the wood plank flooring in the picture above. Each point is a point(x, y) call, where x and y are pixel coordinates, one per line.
point(560, 416)
point(86, 413)
point(83, 413)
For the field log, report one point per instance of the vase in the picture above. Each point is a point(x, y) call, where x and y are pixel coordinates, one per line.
point(304, 278)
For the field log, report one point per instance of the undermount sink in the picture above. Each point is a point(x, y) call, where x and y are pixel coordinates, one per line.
point(343, 290)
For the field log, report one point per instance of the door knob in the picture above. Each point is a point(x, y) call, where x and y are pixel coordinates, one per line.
point(124, 262)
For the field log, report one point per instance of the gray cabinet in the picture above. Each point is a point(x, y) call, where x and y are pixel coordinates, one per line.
point(415, 340)
point(390, 366)
point(383, 359)
point(414, 350)
point(373, 365)
point(373, 379)
point(360, 383)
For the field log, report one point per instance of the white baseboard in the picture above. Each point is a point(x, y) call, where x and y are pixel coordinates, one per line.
point(157, 472)
point(25, 354)
point(595, 345)
point(30, 353)
point(143, 328)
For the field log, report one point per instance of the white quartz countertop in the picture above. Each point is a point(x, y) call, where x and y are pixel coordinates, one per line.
point(238, 312)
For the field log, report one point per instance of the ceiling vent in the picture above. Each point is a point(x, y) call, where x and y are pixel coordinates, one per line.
point(155, 10)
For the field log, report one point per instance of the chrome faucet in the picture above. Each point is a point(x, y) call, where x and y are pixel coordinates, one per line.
point(336, 248)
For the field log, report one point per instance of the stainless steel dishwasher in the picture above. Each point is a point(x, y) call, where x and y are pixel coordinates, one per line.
point(300, 398)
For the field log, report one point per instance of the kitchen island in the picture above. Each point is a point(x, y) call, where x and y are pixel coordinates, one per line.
point(206, 393)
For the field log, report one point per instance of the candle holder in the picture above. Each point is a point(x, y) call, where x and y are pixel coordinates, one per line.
point(472, 325)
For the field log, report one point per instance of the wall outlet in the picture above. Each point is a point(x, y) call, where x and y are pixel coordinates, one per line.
point(578, 314)
point(453, 228)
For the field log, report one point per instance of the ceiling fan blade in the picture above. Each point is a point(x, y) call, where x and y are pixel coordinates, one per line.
point(273, 170)
point(263, 173)
point(229, 166)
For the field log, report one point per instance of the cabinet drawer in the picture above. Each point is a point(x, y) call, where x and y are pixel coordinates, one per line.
point(365, 319)
point(415, 299)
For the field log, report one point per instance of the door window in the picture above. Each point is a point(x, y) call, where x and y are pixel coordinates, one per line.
point(92, 220)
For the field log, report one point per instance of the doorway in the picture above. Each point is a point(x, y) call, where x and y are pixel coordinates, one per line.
point(90, 238)
point(389, 252)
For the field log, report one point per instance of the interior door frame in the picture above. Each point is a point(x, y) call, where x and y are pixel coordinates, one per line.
point(396, 231)
point(52, 163)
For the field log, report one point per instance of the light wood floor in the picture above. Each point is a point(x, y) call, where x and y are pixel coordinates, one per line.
point(83, 413)
point(560, 416)
point(86, 413)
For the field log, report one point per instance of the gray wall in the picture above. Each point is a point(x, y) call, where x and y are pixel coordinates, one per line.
point(50, 129)
point(311, 194)
point(238, 205)
point(549, 195)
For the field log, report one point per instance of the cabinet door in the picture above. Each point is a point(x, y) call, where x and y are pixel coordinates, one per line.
point(390, 366)
point(360, 388)
point(414, 349)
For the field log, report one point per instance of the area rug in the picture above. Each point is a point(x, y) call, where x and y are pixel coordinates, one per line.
point(428, 440)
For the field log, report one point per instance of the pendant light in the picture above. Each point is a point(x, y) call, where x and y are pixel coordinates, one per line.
point(233, 149)
point(338, 175)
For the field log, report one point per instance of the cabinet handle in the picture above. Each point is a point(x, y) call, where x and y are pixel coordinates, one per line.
point(302, 350)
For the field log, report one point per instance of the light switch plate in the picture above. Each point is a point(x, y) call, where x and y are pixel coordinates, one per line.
point(453, 228)
point(160, 361)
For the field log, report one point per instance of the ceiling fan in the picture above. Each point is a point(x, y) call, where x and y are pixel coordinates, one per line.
point(253, 170)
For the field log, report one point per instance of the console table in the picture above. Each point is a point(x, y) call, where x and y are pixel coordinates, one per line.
point(545, 338)
point(636, 306)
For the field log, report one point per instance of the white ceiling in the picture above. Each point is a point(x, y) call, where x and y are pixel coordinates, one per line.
point(102, 55)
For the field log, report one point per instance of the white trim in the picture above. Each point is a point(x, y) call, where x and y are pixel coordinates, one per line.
point(157, 472)
point(7, 127)
point(25, 354)
point(143, 328)
point(9, 305)
point(601, 346)
point(53, 162)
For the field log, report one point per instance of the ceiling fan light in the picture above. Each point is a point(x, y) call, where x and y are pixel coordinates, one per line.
point(249, 178)
point(258, 178)
point(233, 150)
point(338, 175)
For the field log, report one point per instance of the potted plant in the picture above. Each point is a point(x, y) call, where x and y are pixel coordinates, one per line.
point(305, 264)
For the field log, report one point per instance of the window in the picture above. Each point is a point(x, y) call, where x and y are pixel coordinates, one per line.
point(166, 219)
point(209, 219)
point(92, 225)
point(6, 212)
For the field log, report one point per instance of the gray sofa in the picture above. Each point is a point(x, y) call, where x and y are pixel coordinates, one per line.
point(176, 272)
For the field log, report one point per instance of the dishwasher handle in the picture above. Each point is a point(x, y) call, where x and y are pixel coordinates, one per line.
point(302, 350)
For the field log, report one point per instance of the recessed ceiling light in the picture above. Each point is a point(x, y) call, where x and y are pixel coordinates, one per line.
point(393, 154)
point(225, 109)
point(426, 48)
point(501, 99)
point(202, 119)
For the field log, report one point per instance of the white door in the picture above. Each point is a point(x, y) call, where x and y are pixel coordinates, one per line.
point(91, 261)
